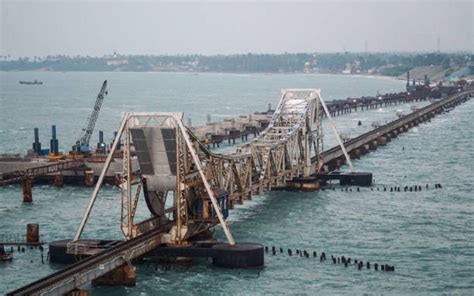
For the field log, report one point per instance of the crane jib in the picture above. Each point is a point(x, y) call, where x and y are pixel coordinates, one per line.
point(83, 144)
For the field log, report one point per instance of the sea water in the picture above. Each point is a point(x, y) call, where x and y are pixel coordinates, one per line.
point(428, 236)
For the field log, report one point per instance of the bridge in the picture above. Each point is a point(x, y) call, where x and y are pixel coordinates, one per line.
point(25, 177)
point(334, 157)
point(190, 189)
point(30, 173)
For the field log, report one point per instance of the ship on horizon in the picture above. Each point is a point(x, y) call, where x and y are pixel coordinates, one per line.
point(31, 82)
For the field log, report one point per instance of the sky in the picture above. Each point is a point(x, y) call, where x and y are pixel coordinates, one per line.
point(96, 28)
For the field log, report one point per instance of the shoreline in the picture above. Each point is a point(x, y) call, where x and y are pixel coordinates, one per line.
point(375, 76)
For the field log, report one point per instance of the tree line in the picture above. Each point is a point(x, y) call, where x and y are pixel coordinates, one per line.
point(392, 64)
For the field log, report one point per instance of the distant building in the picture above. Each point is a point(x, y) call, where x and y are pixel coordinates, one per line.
point(348, 69)
point(117, 62)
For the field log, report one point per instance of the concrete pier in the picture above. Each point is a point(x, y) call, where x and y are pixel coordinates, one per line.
point(382, 141)
point(78, 292)
point(32, 234)
point(380, 136)
point(89, 178)
point(27, 186)
point(113, 265)
point(58, 180)
point(124, 275)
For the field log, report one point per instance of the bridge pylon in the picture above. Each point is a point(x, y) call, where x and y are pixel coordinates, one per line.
point(173, 175)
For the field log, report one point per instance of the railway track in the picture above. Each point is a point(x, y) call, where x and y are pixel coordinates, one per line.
point(336, 152)
point(86, 270)
point(98, 265)
point(31, 173)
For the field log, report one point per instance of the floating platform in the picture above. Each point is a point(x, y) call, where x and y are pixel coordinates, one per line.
point(58, 249)
point(240, 255)
point(317, 181)
point(352, 179)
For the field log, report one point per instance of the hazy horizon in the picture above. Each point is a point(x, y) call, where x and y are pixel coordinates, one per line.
point(244, 53)
point(98, 28)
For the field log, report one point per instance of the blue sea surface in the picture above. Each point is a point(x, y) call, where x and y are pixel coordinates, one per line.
point(428, 236)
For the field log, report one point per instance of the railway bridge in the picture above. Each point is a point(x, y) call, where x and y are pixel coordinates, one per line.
point(189, 189)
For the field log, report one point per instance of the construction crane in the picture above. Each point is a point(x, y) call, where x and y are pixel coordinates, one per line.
point(82, 146)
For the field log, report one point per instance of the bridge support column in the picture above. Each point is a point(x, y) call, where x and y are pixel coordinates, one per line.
point(366, 148)
point(118, 179)
point(78, 292)
point(355, 154)
point(121, 276)
point(32, 233)
point(382, 141)
point(359, 152)
point(331, 166)
point(27, 186)
point(58, 181)
point(231, 199)
point(307, 156)
point(373, 145)
point(304, 184)
point(89, 178)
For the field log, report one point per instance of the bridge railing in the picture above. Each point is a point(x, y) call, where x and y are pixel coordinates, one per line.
point(15, 239)
point(50, 168)
point(329, 154)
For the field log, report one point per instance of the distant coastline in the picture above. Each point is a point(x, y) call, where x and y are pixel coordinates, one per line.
point(225, 73)
point(436, 66)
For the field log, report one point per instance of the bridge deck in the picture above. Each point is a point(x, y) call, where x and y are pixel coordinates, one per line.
point(85, 271)
point(50, 168)
point(336, 152)
point(93, 267)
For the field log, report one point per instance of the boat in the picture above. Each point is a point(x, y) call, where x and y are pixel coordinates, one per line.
point(5, 256)
point(31, 82)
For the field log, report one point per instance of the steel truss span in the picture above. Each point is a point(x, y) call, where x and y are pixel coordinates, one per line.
point(189, 188)
point(184, 182)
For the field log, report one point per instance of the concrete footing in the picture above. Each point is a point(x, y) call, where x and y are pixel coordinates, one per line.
point(304, 184)
point(78, 292)
point(357, 179)
point(58, 181)
point(382, 141)
point(356, 153)
point(373, 145)
point(121, 276)
point(238, 255)
point(353, 179)
point(89, 178)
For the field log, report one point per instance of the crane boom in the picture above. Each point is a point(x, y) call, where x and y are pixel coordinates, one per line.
point(83, 144)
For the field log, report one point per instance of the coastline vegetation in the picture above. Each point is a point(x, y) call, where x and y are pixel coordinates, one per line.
point(387, 64)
